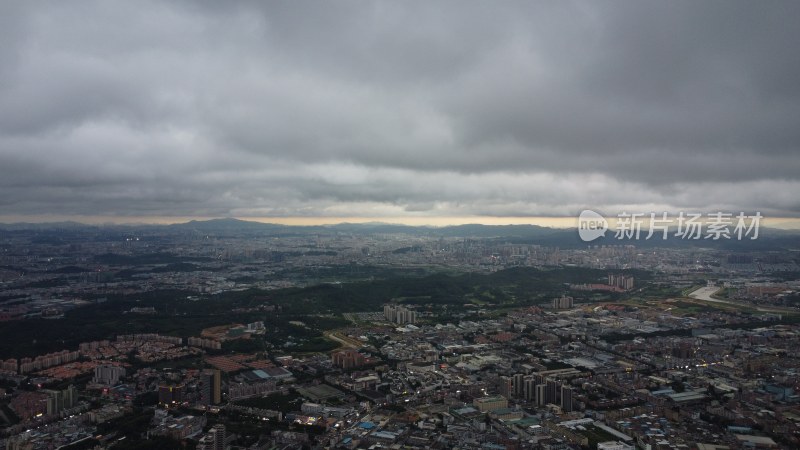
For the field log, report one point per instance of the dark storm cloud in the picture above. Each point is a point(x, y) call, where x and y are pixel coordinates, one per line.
point(388, 108)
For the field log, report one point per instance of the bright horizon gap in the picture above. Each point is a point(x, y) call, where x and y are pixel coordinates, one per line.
point(553, 222)
point(788, 223)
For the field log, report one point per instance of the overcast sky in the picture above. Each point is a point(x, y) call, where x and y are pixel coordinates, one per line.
point(398, 109)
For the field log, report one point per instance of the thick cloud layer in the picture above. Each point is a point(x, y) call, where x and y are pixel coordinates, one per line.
point(391, 108)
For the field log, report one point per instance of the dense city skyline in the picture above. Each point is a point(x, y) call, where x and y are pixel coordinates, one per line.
point(233, 335)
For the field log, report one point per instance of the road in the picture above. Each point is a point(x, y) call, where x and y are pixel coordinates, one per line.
point(345, 341)
point(705, 293)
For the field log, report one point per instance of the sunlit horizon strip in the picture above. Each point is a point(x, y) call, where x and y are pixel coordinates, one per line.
point(789, 223)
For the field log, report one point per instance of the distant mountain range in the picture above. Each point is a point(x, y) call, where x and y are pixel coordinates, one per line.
point(769, 238)
point(471, 230)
